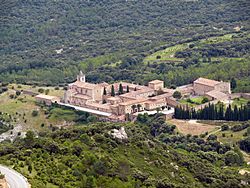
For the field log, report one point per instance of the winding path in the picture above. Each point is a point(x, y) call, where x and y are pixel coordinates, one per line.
point(13, 178)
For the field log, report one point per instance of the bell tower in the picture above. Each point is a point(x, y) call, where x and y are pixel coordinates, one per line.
point(81, 77)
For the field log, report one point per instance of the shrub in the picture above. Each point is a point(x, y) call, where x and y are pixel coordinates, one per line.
point(245, 144)
point(177, 94)
point(40, 90)
point(233, 158)
point(34, 113)
point(212, 137)
point(224, 127)
point(18, 93)
point(240, 127)
point(204, 100)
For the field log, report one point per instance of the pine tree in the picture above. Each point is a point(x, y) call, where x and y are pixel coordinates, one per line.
point(112, 91)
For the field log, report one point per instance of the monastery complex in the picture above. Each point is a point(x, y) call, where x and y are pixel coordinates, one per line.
point(121, 99)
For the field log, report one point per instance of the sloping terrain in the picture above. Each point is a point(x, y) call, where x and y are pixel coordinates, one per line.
point(47, 42)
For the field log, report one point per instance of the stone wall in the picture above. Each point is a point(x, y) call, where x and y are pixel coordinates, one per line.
point(201, 89)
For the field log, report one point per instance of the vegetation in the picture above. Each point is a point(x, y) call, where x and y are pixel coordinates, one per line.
point(177, 94)
point(213, 112)
point(152, 156)
point(6, 122)
point(200, 37)
point(245, 144)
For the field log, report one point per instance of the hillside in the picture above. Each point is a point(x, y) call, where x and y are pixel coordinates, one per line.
point(87, 156)
point(54, 39)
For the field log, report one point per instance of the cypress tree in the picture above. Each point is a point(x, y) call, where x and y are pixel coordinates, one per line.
point(233, 83)
point(235, 113)
point(221, 112)
point(127, 89)
point(112, 91)
point(120, 89)
point(104, 91)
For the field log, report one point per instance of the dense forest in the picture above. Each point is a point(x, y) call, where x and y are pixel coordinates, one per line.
point(47, 42)
point(153, 155)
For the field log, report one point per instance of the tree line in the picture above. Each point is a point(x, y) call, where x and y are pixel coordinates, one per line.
point(214, 112)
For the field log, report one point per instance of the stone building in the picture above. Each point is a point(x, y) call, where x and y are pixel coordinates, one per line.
point(133, 99)
point(202, 85)
point(47, 99)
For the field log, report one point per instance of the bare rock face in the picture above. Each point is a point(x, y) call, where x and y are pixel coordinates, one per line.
point(120, 134)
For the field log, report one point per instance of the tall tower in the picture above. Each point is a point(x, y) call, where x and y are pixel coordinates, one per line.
point(81, 77)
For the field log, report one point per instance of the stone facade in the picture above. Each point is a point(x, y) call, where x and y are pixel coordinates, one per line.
point(136, 98)
point(133, 99)
point(202, 85)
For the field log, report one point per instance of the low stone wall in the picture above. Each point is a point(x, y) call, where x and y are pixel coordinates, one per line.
point(245, 95)
point(238, 95)
point(27, 92)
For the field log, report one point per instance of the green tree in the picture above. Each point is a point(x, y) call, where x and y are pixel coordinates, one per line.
point(104, 91)
point(120, 89)
point(204, 100)
point(18, 93)
point(232, 158)
point(177, 94)
point(112, 91)
point(127, 89)
point(91, 182)
point(233, 83)
point(224, 127)
point(34, 113)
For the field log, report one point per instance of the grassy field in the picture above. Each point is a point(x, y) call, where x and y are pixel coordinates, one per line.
point(192, 102)
point(168, 54)
point(214, 40)
point(21, 108)
point(52, 90)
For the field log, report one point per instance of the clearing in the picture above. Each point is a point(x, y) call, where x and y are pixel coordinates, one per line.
point(168, 54)
point(192, 127)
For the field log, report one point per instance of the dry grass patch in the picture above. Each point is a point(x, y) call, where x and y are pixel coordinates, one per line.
point(192, 127)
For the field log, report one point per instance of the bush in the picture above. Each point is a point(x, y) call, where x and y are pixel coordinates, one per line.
point(224, 127)
point(204, 100)
point(34, 113)
point(212, 137)
point(233, 158)
point(40, 90)
point(240, 127)
point(245, 144)
point(18, 93)
point(177, 94)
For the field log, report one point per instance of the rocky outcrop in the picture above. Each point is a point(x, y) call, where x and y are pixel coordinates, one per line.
point(120, 134)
